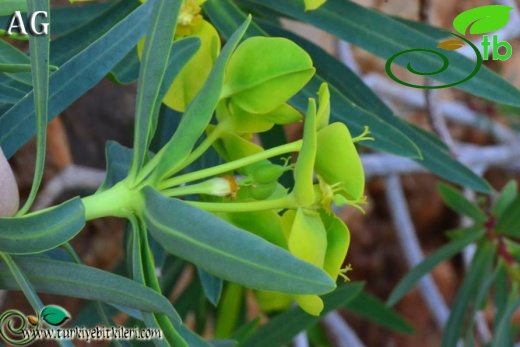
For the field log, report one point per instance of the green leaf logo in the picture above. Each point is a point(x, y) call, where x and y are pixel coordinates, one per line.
point(482, 20)
point(54, 315)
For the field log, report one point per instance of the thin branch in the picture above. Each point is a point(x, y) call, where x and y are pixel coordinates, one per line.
point(73, 177)
point(347, 57)
point(412, 250)
point(480, 320)
point(504, 156)
point(301, 340)
point(436, 119)
point(409, 98)
point(340, 332)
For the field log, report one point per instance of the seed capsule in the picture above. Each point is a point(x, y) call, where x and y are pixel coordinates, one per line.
point(267, 173)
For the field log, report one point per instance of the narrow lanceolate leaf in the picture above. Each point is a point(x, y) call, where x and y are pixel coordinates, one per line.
point(67, 46)
point(282, 328)
point(506, 331)
point(386, 37)
point(507, 195)
point(80, 281)
point(12, 55)
point(479, 269)
point(212, 286)
point(199, 112)
point(228, 252)
point(39, 52)
point(370, 308)
point(159, 39)
point(458, 202)
point(509, 223)
point(444, 253)
point(43, 230)
point(118, 164)
point(74, 78)
point(342, 81)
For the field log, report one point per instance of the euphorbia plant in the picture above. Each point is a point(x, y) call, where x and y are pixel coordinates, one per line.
point(248, 98)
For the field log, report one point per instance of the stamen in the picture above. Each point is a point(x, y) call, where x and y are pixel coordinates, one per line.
point(363, 136)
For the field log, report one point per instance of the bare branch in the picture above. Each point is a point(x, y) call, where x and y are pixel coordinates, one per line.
point(410, 244)
point(340, 332)
point(73, 177)
point(301, 340)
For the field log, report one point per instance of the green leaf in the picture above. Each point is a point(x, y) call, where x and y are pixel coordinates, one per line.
point(479, 269)
point(509, 223)
point(500, 293)
point(72, 43)
point(374, 310)
point(10, 95)
point(74, 78)
point(152, 322)
point(458, 203)
point(154, 61)
point(507, 195)
point(127, 70)
point(199, 112)
point(471, 235)
point(39, 46)
point(118, 164)
point(282, 328)
point(80, 281)
point(54, 315)
point(212, 286)
point(43, 230)
point(11, 55)
point(482, 20)
point(226, 251)
point(143, 271)
point(505, 333)
point(386, 37)
point(21, 281)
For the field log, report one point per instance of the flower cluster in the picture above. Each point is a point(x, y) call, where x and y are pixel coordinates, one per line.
point(261, 76)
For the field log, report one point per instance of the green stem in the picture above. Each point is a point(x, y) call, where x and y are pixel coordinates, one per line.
point(118, 201)
point(233, 165)
point(148, 169)
point(203, 147)
point(264, 205)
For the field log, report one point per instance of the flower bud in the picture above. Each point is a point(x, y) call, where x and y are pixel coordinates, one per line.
point(267, 173)
point(9, 199)
point(222, 186)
